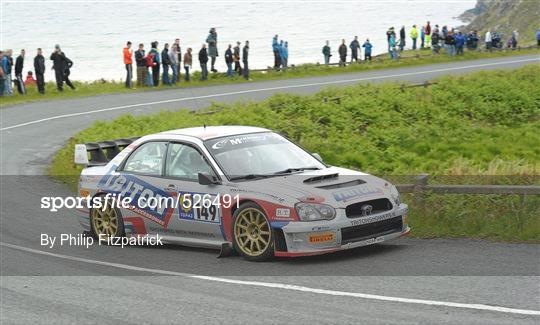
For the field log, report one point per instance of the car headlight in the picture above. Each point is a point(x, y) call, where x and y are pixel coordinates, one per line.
point(395, 195)
point(314, 211)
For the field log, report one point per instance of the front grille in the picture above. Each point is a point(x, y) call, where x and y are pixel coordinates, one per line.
point(377, 206)
point(371, 230)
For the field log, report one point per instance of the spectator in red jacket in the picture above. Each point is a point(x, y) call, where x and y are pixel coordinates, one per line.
point(30, 79)
point(128, 61)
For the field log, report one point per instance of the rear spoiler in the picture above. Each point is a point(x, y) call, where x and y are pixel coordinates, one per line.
point(100, 153)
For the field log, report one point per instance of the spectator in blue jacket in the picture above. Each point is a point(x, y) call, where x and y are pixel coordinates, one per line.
point(460, 43)
point(355, 46)
point(280, 46)
point(367, 50)
point(284, 54)
point(538, 37)
point(392, 46)
point(275, 48)
point(7, 64)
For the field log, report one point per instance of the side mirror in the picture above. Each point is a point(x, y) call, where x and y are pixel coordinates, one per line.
point(207, 179)
point(317, 156)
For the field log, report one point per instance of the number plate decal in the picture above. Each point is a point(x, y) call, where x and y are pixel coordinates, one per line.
point(202, 207)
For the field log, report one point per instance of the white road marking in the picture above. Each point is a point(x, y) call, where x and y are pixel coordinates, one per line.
point(282, 286)
point(261, 90)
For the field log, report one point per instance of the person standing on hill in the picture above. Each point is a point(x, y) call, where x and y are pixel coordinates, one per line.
point(538, 37)
point(2, 74)
point(203, 61)
point(342, 50)
point(326, 51)
point(67, 71)
point(188, 62)
point(166, 63)
point(414, 36)
point(460, 43)
point(422, 36)
point(229, 60)
point(7, 64)
point(402, 38)
point(236, 59)
point(355, 46)
point(59, 62)
point(450, 43)
point(142, 70)
point(515, 37)
point(275, 49)
point(393, 49)
point(155, 63)
point(212, 48)
point(173, 57)
point(488, 40)
point(367, 50)
point(128, 62)
point(427, 30)
point(435, 41)
point(280, 46)
point(245, 57)
point(389, 34)
point(19, 65)
point(284, 55)
point(149, 81)
point(39, 69)
point(179, 59)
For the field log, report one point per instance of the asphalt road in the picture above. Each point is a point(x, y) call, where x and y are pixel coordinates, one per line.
point(408, 281)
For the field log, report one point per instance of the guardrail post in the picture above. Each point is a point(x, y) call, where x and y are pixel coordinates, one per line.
point(420, 186)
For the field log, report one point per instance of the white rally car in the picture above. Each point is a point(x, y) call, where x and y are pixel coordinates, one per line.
point(234, 187)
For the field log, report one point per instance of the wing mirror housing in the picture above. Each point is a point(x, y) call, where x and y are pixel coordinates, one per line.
point(207, 179)
point(317, 156)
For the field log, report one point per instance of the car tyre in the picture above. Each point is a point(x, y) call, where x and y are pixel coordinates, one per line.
point(253, 237)
point(106, 221)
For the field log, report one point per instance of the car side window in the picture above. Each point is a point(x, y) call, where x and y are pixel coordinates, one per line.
point(184, 161)
point(147, 159)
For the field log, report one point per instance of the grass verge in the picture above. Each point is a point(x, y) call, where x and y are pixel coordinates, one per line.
point(409, 58)
point(482, 124)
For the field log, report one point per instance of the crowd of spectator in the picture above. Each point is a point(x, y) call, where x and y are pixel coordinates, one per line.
point(156, 66)
point(427, 37)
point(10, 76)
point(165, 66)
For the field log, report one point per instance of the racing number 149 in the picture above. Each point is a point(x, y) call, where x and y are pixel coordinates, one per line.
point(206, 213)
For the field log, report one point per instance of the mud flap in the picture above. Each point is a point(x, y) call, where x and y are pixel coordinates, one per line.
point(226, 250)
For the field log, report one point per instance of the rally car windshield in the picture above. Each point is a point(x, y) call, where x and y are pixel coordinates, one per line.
point(256, 155)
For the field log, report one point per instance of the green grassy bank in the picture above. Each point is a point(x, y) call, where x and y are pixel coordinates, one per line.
point(487, 123)
point(409, 58)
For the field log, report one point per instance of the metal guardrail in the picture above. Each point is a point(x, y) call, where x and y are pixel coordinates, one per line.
point(421, 186)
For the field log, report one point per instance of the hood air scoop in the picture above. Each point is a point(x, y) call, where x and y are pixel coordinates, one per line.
point(320, 178)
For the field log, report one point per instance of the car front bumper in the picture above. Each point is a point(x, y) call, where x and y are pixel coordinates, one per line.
point(320, 237)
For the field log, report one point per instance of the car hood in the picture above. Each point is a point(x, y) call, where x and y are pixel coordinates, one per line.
point(336, 186)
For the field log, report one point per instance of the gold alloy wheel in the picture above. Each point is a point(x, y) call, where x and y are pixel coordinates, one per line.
point(252, 232)
point(105, 220)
